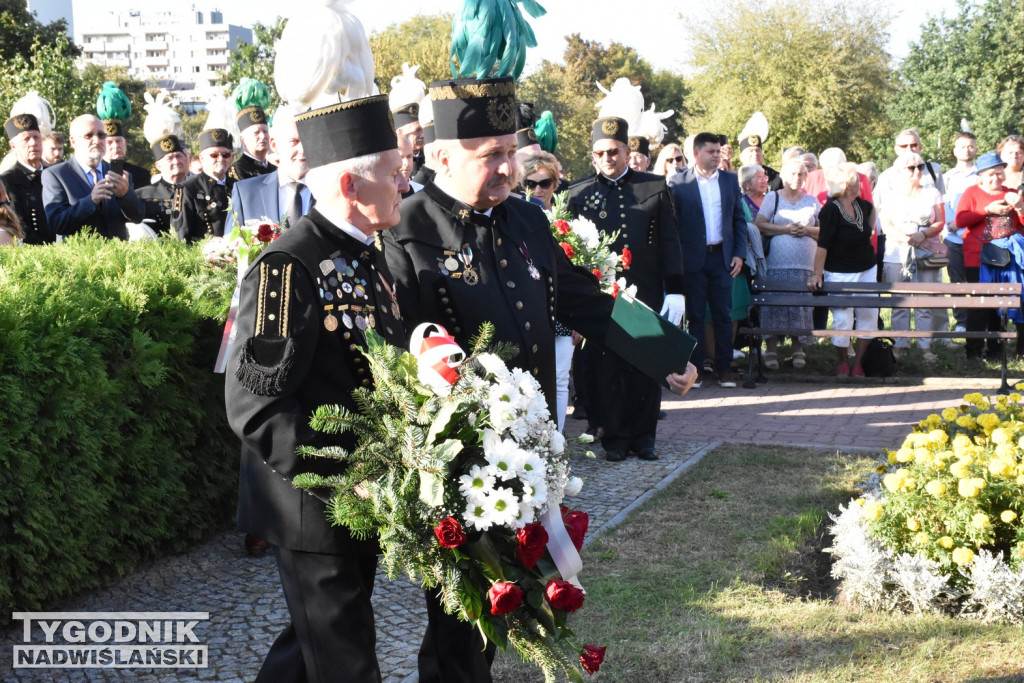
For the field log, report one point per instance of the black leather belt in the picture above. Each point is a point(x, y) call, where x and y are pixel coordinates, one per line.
point(714, 248)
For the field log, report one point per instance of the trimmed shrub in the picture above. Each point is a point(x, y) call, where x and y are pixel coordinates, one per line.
point(115, 447)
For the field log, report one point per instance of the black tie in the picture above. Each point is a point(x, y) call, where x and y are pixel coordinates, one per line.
point(295, 208)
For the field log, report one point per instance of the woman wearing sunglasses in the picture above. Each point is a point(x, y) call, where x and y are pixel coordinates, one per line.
point(670, 161)
point(540, 177)
point(912, 214)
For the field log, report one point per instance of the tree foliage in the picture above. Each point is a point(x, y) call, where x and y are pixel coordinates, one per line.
point(423, 40)
point(819, 72)
point(968, 65)
point(570, 92)
point(256, 60)
point(20, 29)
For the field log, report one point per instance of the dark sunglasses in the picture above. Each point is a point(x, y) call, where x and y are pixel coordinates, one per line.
point(919, 167)
point(222, 155)
point(611, 153)
point(678, 159)
point(90, 136)
point(542, 184)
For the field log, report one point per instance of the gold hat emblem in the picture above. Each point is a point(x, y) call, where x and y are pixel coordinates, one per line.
point(754, 141)
point(500, 113)
point(111, 127)
point(634, 144)
point(219, 136)
point(258, 116)
point(610, 127)
point(22, 122)
point(167, 145)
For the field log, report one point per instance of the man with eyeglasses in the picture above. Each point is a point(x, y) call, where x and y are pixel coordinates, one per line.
point(907, 142)
point(201, 203)
point(638, 206)
point(84, 193)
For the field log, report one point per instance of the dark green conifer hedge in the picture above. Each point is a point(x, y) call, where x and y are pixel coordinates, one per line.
point(114, 446)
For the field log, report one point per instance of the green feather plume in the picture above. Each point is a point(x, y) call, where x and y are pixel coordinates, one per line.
point(251, 93)
point(490, 37)
point(112, 103)
point(547, 133)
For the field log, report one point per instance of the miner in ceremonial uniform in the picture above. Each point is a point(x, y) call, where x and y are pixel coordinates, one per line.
point(639, 207)
point(305, 304)
point(158, 198)
point(254, 134)
point(464, 254)
point(117, 147)
point(639, 153)
point(407, 92)
point(24, 180)
point(751, 153)
point(200, 204)
point(426, 172)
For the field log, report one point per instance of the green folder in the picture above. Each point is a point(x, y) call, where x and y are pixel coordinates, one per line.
point(648, 342)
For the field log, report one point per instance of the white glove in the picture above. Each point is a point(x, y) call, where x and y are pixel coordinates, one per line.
point(673, 308)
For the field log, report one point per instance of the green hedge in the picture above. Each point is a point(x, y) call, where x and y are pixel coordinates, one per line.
point(114, 446)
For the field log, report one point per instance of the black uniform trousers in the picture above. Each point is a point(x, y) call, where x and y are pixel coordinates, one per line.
point(452, 650)
point(328, 596)
point(628, 403)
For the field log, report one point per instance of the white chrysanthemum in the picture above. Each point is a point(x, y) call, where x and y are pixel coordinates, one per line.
point(493, 365)
point(587, 232)
point(527, 515)
point(476, 515)
point(535, 493)
point(531, 467)
point(501, 507)
point(476, 483)
point(574, 486)
point(502, 455)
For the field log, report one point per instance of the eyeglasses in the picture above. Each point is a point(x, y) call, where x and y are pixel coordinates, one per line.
point(907, 145)
point(542, 184)
point(919, 168)
point(611, 153)
point(222, 155)
point(90, 136)
point(677, 159)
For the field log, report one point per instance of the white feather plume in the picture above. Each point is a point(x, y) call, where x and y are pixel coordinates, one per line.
point(406, 88)
point(161, 119)
point(323, 56)
point(650, 125)
point(965, 126)
point(426, 111)
point(35, 104)
point(624, 100)
point(220, 113)
point(757, 124)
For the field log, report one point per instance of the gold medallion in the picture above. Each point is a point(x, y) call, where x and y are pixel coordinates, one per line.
point(330, 322)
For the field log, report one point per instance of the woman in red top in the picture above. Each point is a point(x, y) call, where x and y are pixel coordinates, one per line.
point(990, 212)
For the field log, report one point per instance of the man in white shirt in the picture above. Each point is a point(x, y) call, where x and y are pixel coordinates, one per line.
point(958, 179)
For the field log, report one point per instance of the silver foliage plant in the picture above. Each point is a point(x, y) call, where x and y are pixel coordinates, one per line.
point(872, 577)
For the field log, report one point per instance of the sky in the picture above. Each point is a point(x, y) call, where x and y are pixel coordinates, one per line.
point(652, 27)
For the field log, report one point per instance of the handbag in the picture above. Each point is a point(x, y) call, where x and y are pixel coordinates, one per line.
point(994, 256)
point(932, 254)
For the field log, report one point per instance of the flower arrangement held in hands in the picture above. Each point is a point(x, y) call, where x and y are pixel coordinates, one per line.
point(245, 242)
point(461, 475)
point(589, 248)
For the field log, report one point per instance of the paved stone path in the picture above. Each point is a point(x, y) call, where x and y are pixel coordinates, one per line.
point(243, 595)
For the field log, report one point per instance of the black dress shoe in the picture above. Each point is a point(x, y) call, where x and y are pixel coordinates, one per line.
point(256, 546)
point(647, 454)
point(615, 456)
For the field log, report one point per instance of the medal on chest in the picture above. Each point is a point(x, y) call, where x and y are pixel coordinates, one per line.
point(469, 276)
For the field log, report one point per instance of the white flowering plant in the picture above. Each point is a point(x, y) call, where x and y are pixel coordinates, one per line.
point(940, 529)
point(460, 475)
point(588, 247)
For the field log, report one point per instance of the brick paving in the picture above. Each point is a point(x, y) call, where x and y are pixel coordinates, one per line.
point(243, 596)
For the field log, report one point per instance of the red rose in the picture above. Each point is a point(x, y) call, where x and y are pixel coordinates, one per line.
point(591, 658)
point(532, 539)
point(563, 595)
point(563, 227)
point(265, 233)
point(627, 258)
point(597, 273)
point(567, 248)
point(504, 597)
point(576, 524)
point(449, 533)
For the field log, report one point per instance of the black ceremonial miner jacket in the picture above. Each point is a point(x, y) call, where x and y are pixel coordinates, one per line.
point(459, 269)
point(304, 305)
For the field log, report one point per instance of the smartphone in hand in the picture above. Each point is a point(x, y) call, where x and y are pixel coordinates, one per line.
point(117, 166)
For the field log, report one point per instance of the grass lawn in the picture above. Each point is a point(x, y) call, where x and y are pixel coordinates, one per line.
point(721, 577)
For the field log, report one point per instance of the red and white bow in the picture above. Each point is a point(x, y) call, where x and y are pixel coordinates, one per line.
point(437, 357)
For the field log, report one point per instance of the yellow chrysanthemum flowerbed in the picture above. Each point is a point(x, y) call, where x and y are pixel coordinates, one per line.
point(956, 486)
point(942, 529)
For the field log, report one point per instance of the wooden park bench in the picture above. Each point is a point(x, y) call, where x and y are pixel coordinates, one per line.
point(880, 295)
